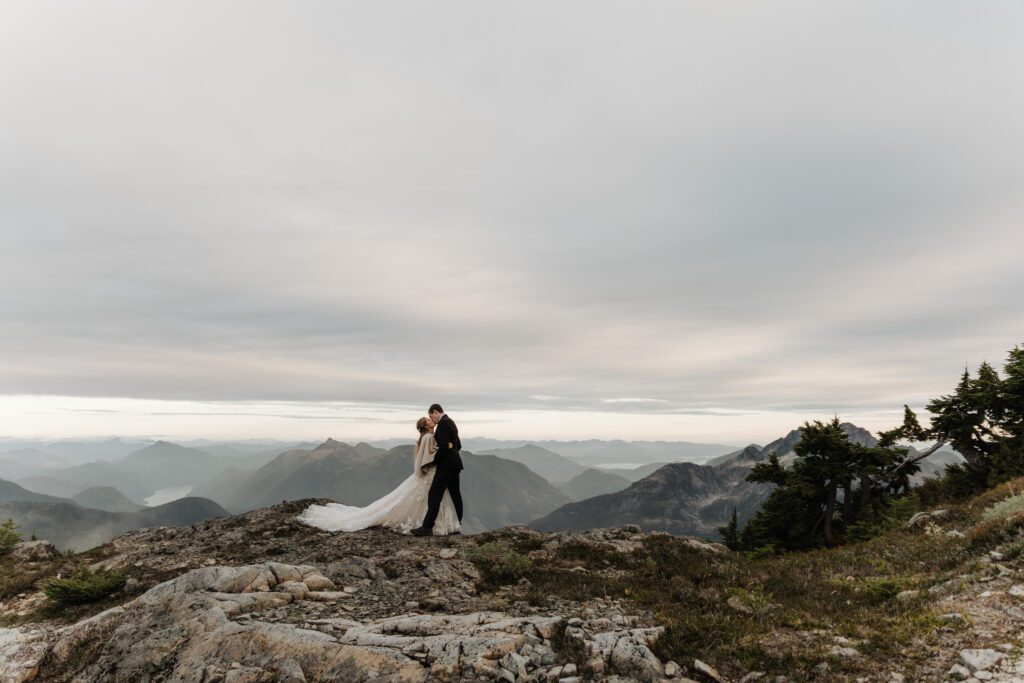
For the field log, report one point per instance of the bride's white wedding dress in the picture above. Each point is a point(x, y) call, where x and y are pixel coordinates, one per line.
point(402, 509)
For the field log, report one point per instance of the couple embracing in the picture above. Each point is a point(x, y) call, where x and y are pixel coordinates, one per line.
point(428, 502)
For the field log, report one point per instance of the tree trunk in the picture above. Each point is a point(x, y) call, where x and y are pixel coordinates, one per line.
point(830, 509)
point(848, 502)
point(865, 495)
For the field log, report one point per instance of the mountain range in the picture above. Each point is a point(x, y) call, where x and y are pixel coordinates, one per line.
point(106, 498)
point(67, 524)
point(521, 483)
point(593, 482)
point(504, 492)
point(84, 523)
point(681, 498)
point(690, 499)
point(548, 464)
point(598, 452)
point(142, 472)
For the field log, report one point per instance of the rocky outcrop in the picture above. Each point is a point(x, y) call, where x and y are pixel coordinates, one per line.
point(207, 626)
point(34, 551)
point(21, 650)
point(262, 597)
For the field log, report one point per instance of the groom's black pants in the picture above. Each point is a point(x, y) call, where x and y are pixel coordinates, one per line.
point(444, 480)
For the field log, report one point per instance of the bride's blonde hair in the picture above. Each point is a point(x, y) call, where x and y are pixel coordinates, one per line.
point(421, 427)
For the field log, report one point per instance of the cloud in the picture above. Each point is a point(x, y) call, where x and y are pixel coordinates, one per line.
point(505, 207)
point(633, 400)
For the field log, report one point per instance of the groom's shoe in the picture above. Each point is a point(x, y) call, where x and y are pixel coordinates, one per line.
point(422, 531)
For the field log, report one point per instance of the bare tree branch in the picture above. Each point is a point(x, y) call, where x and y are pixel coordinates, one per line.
point(922, 456)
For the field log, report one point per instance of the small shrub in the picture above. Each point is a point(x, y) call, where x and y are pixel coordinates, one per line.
point(769, 550)
point(901, 509)
point(879, 590)
point(498, 563)
point(84, 585)
point(392, 568)
point(1013, 551)
point(9, 536)
point(593, 556)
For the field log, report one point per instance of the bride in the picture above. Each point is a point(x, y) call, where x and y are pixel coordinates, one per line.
point(402, 509)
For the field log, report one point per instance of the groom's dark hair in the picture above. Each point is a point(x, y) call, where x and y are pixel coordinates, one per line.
point(435, 408)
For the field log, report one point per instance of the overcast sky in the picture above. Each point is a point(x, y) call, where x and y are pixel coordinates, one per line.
point(683, 220)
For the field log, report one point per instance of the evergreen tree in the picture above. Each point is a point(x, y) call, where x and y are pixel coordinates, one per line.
point(983, 419)
point(9, 536)
point(970, 417)
point(825, 461)
point(786, 520)
point(1008, 458)
point(1013, 395)
point(801, 511)
point(730, 533)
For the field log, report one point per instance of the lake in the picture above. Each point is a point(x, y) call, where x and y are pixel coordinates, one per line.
point(167, 495)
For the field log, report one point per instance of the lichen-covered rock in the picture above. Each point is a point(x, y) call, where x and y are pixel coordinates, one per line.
point(21, 650)
point(216, 623)
point(980, 659)
point(922, 520)
point(34, 551)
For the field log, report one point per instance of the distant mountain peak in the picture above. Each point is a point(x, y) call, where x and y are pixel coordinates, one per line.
point(330, 445)
point(752, 453)
point(787, 443)
point(162, 447)
point(749, 454)
point(532, 447)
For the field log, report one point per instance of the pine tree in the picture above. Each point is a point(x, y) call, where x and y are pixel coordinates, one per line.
point(970, 417)
point(787, 518)
point(730, 533)
point(9, 536)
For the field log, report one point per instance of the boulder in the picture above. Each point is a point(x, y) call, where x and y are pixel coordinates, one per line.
point(21, 651)
point(34, 551)
point(923, 519)
point(707, 671)
point(980, 660)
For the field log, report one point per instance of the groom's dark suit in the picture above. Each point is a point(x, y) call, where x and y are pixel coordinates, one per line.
point(447, 465)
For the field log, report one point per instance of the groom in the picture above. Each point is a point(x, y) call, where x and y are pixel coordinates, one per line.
point(447, 465)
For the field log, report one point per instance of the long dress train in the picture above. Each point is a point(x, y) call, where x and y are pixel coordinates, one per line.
point(402, 509)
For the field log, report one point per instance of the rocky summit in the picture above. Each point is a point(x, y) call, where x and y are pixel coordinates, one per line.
point(262, 597)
